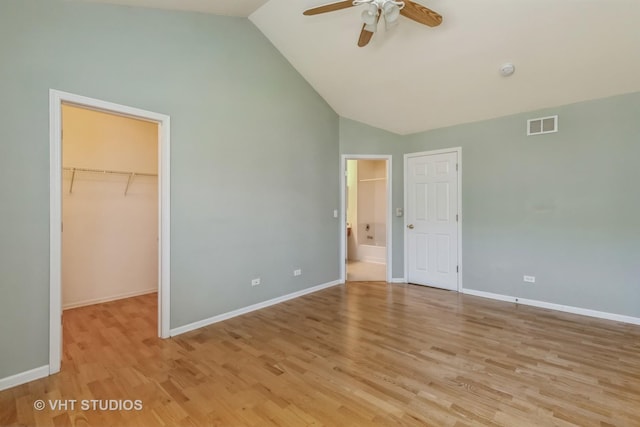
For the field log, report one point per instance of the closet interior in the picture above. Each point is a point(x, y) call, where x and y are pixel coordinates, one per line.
point(109, 207)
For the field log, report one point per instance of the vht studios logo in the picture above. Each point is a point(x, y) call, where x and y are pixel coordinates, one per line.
point(88, 405)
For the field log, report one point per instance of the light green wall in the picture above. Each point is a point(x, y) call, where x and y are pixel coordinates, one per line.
point(254, 155)
point(563, 207)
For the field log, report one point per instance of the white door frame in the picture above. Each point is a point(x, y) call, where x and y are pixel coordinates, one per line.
point(56, 99)
point(343, 211)
point(457, 150)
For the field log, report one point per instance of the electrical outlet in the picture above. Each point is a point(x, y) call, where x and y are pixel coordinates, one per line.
point(297, 272)
point(255, 282)
point(529, 279)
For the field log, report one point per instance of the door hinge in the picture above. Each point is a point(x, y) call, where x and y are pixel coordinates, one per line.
point(346, 173)
point(456, 167)
point(457, 269)
point(456, 217)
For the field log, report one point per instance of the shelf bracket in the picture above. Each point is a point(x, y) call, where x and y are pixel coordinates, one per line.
point(131, 176)
point(73, 177)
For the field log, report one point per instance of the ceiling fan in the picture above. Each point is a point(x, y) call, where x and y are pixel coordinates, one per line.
point(390, 9)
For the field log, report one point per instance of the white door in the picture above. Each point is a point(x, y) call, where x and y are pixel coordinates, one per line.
point(431, 220)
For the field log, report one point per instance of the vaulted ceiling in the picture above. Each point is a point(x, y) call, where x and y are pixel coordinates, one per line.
point(217, 7)
point(414, 78)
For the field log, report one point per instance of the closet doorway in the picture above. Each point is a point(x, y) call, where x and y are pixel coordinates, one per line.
point(366, 218)
point(109, 208)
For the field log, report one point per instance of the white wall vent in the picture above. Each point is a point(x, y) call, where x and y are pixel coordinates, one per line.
point(542, 125)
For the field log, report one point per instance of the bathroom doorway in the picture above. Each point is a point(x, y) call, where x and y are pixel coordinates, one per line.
point(367, 219)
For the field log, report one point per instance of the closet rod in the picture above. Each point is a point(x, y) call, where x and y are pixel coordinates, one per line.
point(109, 171)
point(104, 171)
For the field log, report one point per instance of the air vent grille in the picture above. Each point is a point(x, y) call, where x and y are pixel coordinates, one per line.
point(542, 125)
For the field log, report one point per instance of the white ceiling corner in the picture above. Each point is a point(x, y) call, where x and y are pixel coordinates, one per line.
point(217, 7)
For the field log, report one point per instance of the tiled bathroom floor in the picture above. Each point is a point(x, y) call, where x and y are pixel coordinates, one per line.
point(358, 271)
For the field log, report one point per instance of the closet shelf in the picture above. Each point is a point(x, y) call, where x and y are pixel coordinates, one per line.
point(131, 175)
point(372, 179)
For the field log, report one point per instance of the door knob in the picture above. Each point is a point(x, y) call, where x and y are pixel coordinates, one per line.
point(410, 226)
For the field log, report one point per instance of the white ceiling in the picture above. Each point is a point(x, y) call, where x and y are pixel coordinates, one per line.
point(415, 78)
point(217, 7)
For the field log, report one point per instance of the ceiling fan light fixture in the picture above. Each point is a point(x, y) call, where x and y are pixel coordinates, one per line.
point(370, 15)
point(391, 12)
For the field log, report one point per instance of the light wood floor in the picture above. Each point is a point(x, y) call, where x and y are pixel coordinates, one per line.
point(354, 355)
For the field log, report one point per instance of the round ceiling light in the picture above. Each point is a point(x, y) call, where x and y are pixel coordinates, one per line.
point(507, 69)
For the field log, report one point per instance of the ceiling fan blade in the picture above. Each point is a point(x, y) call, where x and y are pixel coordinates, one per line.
point(365, 37)
point(420, 14)
point(329, 7)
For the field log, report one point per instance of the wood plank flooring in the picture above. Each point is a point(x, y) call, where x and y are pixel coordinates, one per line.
point(355, 355)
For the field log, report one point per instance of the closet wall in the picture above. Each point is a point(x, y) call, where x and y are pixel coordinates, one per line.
point(109, 239)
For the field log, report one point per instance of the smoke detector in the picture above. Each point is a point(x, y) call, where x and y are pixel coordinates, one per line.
point(507, 69)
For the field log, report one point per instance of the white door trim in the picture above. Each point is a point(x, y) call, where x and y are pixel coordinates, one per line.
point(56, 99)
point(343, 211)
point(457, 150)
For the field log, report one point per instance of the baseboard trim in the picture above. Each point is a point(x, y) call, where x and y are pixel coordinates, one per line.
point(558, 307)
point(24, 377)
point(398, 280)
point(219, 318)
point(108, 299)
